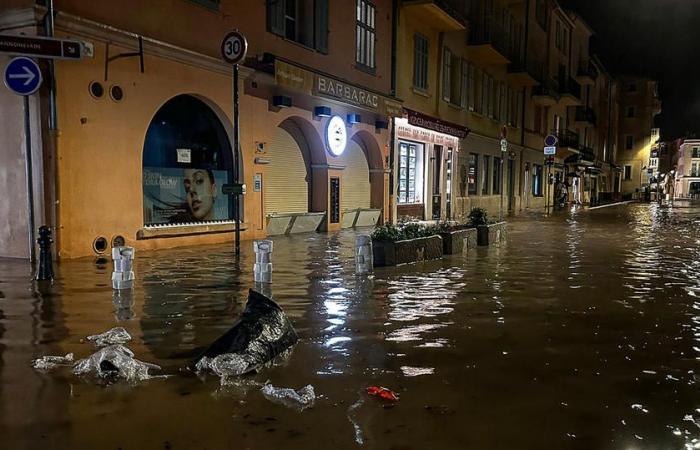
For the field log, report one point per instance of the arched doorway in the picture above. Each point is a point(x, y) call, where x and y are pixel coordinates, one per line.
point(186, 159)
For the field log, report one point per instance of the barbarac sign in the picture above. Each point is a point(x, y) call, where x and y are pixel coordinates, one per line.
point(431, 123)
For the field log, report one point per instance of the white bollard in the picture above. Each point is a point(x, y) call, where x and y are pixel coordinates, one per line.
point(262, 269)
point(123, 276)
point(364, 262)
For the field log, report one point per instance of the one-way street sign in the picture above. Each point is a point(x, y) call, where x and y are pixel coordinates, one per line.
point(22, 76)
point(40, 47)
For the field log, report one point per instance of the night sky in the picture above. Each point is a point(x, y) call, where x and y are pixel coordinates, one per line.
point(659, 38)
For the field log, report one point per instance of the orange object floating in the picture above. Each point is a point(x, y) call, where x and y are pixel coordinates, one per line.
point(383, 393)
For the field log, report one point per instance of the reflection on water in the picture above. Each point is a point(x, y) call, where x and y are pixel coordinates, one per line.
point(582, 331)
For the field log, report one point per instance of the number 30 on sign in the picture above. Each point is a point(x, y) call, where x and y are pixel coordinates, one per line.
point(234, 47)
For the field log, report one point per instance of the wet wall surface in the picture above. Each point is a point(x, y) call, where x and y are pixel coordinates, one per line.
point(580, 332)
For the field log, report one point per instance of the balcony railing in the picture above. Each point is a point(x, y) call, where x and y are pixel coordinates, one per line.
point(584, 114)
point(533, 67)
point(567, 138)
point(588, 70)
point(485, 30)
point(587, 153)
point(570, 87)
point(548, 88)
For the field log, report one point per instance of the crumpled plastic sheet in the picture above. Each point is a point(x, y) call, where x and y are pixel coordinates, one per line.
point(49, 362)
point(115, 361)
point(299, 400)
point(231, 365)
point(117, 335)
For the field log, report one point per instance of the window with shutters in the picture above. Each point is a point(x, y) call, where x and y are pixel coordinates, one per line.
point(471, 94)
point(629, 142)
point(301, 21)
point(472, 171)
point(464, 85)
point(485, 176)
point(628, 172)
point(446, 74)
point(365, 34)
point(420, 61)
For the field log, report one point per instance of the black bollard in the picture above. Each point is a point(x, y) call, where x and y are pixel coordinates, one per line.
point(45, 260)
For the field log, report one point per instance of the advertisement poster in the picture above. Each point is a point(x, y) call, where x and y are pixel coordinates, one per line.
point(177, 195)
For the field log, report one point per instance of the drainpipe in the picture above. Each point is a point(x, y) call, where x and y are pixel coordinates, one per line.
point(523, 108)
point(392, 135)
point(53, 133)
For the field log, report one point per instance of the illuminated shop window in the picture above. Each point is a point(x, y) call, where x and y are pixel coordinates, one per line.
point(186, 159)
point(410, 179)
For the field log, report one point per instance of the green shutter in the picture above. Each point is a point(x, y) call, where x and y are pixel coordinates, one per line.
point(321, 25)
point(275, 16)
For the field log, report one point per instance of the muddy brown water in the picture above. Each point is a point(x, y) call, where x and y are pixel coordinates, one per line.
point(580, 332)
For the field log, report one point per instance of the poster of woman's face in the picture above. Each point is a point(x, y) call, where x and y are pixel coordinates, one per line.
point(177, 195)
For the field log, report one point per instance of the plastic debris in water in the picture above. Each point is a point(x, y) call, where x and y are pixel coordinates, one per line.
point(116, 335)
point(383, 393)
point(299, 400)
point(50, 362)
point(115, 361)
point(262, 334)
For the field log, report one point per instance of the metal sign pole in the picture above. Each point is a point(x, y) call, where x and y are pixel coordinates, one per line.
point(30, 178)
point(237, 147)
point(500, 215)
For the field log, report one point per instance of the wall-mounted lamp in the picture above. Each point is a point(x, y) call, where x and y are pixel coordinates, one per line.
point(281, 101)
point(322, 111)
point(381, 125)
point(354, 118)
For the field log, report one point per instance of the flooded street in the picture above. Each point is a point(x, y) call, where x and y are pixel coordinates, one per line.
point(582, 332)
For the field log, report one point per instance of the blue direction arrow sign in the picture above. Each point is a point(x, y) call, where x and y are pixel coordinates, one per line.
point(22, 76)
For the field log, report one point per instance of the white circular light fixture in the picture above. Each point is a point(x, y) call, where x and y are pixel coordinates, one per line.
point(336, 136)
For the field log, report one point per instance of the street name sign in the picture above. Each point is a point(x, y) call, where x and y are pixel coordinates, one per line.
point(233, 189)
point(234, 47)
point(550, 150)
point(22, 76)
point(504, 145)
point(41, 47)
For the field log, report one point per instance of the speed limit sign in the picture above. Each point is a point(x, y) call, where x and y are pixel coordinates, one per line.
point(234, 47)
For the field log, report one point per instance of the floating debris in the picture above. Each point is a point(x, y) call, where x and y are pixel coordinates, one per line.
point(299, 400)
point(383, 393)
point(51, 362)
point(116, 335)
point(115, 361)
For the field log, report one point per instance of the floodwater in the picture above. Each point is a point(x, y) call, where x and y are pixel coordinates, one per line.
point(580, 332)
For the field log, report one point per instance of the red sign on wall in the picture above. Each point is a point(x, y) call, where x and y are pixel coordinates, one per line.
point(431, 123)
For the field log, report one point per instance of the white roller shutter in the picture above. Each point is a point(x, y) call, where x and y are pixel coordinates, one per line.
point(286, 189)
point(355, 183)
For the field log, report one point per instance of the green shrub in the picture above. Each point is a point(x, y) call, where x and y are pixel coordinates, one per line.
point(478, 216)
point(404, 232)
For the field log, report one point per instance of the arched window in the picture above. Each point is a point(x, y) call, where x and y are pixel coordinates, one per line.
point(186, 159)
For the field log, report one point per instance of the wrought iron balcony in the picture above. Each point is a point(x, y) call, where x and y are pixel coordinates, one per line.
point(567, 139)
point(525, 74)
point(585, 116)
point(448, 14)
point(488, 42)
point(570, 92)
point(587, 73)
point(547, 93)
point(587, 154)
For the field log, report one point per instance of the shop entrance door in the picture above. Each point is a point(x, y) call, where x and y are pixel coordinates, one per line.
point(437, 182)
point(511, 185)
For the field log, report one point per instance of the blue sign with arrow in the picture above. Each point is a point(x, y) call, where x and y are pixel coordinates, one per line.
point(23, 76)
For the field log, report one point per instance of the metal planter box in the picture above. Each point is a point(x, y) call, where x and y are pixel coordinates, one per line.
point(405, 252)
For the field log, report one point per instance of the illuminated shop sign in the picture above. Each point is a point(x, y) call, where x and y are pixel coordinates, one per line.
point(336, 135)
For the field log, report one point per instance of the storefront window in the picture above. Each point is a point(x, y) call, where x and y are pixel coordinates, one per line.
point(497, 176)
point(537, 180)
point(485, 177)
point(186, 159)
point(410, 179)
point(472, 170)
